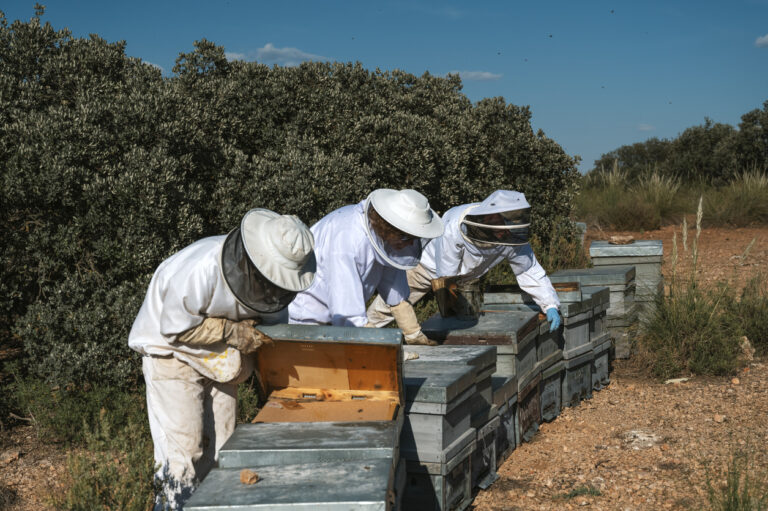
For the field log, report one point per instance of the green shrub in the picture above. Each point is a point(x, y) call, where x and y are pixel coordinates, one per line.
point(247, 400)
point(63, 414)
point(116, 471)
point(108, 168)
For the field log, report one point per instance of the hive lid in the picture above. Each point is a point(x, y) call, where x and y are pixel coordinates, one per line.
point(597, 276)
point(436, 382)
point(360, 485)
point(479, 357)
point(567, 309)
point(488, 329)
point(637, 248)
point(512, 293)
point(286, 443)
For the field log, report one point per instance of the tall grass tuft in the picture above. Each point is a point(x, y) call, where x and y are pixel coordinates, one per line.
point(694, 329)
point(743, 202)
point(661, 193)
point(752, 311)
point(742, 490)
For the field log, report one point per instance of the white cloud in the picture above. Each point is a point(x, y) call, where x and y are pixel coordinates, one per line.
point(478, 76)
point(269, 54)
point(762, 42)
point(645, 127)
point(154, 65)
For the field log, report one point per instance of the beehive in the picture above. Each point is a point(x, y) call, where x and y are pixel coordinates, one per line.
point(621, 314)
point(328, 434)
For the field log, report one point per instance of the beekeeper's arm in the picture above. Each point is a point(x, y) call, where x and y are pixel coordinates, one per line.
point(394, 290)
point(187, 296)
point(532, 279)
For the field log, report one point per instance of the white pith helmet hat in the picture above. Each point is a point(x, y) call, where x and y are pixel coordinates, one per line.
point(501, 200)
point(407, 210)
point(281, 247)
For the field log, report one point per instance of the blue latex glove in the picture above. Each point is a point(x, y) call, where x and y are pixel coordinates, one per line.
point(553, 316)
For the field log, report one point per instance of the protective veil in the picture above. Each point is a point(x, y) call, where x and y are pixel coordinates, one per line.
point(454, 253)
point(409, 221)
point(502, 219)
point(246, 282)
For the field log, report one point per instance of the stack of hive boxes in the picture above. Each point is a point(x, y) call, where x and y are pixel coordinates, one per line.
point(515, 385)
point(328, 434)
point(645, 256)
point(438, 439)
point(565, 357)
point(621, 315)
point(422, 432)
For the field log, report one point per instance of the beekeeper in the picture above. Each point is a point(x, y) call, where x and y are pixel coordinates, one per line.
point(477, 237)
point(366, 248)
point(196, 332)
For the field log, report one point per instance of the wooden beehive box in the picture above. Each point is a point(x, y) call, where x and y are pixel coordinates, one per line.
point(330, 374)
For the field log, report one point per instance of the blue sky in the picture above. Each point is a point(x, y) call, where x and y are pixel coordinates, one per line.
point(596, 74)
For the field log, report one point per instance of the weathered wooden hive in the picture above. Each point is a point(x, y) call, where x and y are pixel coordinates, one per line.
point(484, 412)
point(514, 335)
point(438, 440)
point(621, 315)
point(646, 256)
point(565, 355)
point(327, 436)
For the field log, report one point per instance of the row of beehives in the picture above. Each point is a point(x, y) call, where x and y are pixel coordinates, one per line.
point(491, 383)
point(468, 404)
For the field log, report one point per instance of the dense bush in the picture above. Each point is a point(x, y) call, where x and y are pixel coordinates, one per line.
point(108, 167)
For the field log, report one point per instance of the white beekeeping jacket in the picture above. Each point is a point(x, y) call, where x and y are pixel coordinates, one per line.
point(185, 289)
point(349, 271)
point(452, 254)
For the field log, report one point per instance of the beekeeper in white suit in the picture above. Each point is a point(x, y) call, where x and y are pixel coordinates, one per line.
point(477, 237)
point(196, 332)
point(366, 248)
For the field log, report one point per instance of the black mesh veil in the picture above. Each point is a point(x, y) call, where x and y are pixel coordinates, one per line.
point(246, 282)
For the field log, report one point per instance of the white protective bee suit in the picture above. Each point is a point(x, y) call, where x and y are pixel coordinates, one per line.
point(353, 262)
point(187, 331)
point(455, 254)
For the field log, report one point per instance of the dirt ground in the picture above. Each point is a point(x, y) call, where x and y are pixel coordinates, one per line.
point(636, 445)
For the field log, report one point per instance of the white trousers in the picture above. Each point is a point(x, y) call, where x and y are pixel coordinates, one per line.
point(190, 417)
point(420, 282)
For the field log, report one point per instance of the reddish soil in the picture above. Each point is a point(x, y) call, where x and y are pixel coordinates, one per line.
point(592, 455)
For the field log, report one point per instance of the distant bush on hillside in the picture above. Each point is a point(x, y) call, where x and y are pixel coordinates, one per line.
point(708, 154)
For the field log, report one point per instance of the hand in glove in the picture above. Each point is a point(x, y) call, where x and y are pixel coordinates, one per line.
point(406, 320)
point(239, 334)
point(553, 316)
point(244, 336)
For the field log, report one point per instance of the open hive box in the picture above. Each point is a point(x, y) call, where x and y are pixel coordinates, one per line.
point(328, 434)
point(330, 374)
